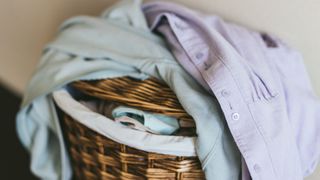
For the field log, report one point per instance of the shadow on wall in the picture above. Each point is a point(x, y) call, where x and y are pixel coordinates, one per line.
point(14, 162)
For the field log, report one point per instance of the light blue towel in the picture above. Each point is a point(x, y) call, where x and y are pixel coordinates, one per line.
point(118, 43)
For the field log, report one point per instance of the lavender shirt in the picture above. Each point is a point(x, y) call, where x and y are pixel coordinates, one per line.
point(260, 83)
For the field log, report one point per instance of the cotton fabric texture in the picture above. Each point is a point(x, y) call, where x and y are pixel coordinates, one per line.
point(145, 121)
point(260, 83)
point(134, 118)
point(174, 145)
point(119, 43)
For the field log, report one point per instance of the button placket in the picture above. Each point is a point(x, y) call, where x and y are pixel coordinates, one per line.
point(235, 116)
point(238, 119)
point(231, 101)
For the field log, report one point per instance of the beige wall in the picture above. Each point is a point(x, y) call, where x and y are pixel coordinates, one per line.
point(27, 25)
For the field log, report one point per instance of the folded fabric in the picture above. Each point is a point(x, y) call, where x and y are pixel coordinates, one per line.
point(141, 120)
point(106, 108)
point(119, 43)
point(171, 145)
point(260, 83)
point(134, 118)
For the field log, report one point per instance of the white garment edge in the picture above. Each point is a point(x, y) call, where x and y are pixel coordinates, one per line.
point(163, 144)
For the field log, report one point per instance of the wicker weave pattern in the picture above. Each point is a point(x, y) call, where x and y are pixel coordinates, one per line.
point(149, 95)
point(97, 157)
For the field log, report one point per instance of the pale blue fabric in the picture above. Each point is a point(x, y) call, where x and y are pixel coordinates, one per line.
point(158, 123)
point(117, 44)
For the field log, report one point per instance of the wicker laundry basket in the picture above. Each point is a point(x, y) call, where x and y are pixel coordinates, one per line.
point(94, 156)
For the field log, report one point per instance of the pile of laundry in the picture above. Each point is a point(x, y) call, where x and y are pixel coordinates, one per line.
point(256, 114)
point(135, 118)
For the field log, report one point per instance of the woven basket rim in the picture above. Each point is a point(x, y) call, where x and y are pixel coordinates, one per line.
point(67, 104)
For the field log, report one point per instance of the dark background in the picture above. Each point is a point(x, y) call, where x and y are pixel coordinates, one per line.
point(14, 159)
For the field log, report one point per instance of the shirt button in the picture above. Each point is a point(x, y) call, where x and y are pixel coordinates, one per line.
point(257, 168)
point(225, 93)
point(235, 116)
point(199, 55)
